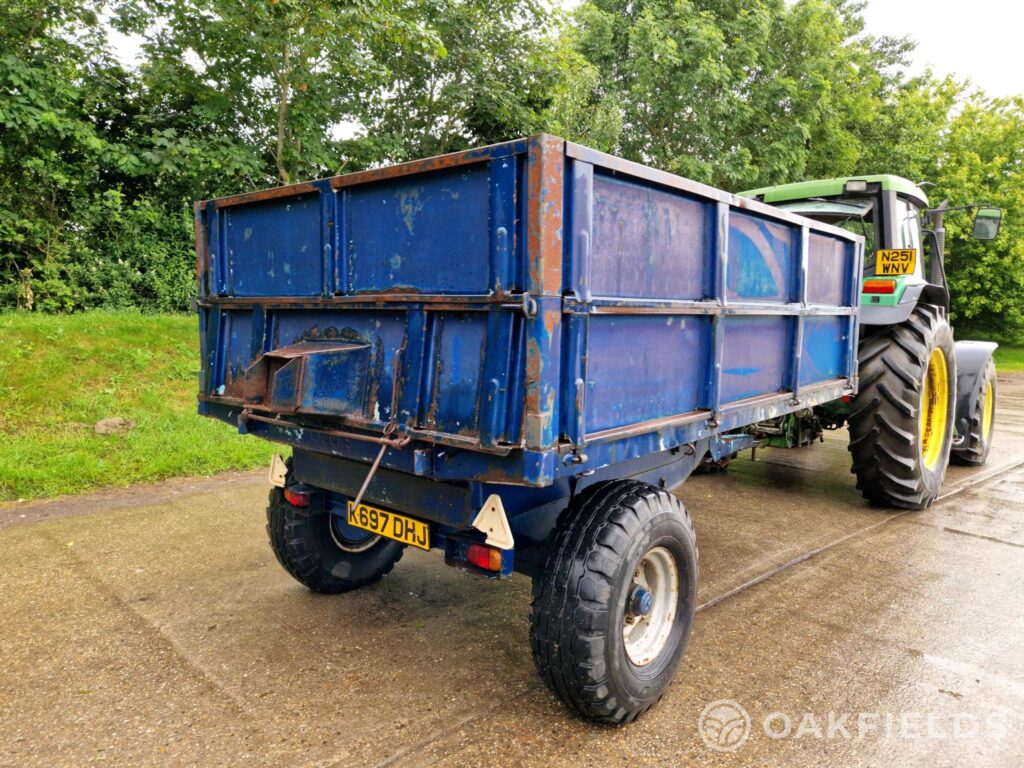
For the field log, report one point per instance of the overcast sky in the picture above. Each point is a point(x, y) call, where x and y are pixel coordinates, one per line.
point(980, 40)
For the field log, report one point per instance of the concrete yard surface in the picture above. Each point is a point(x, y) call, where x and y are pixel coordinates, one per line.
point(153, 626)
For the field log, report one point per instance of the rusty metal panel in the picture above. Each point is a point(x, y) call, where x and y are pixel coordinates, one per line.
point(545, 202)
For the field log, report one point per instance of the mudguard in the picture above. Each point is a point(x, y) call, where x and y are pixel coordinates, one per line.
point(972, 358)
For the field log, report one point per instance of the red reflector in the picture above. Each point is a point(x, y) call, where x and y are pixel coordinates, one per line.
point(879, 286)
point(487, 558)
point(296, 499)
point(847, 398)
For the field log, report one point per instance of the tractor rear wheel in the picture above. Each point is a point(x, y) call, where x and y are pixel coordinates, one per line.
point(901, 424)
point(978, 440)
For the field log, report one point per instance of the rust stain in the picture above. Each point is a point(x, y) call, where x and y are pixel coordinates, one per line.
point(439, 162)
point(377, 366)
point(544, 200)
point(201, 256)
point(290, 190)
point(551, 320)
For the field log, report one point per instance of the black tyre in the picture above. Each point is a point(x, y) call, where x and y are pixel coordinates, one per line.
point(612, 612)
point(321, 551)
point(978, 440)
point(901, 424)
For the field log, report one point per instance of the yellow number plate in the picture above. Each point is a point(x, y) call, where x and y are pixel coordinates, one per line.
point(390, 525)
point(899, 261)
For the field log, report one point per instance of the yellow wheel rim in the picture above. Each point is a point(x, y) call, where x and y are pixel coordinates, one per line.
point(934, 404)
point(989, 413)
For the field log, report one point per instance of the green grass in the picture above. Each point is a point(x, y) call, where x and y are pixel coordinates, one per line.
point(59, 375)
point(1009, 358)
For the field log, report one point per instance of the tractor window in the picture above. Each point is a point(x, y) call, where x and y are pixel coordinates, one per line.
point(854, 214)
point(862, 227)
point(909, 225)
point(857, 215)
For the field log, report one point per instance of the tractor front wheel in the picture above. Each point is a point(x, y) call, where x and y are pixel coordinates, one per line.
point(901, 424)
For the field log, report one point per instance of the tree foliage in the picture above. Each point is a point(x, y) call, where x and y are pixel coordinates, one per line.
point(100, 162)
point(982, 161)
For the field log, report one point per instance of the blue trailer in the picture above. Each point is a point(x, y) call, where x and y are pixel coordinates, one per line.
point(511, 354)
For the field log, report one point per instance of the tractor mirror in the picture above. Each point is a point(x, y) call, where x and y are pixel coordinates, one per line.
point(986, 223)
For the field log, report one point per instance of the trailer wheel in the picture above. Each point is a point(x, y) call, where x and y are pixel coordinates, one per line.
point(901, 423)
point(612, 610)
point(323, 555)
point(978, 439)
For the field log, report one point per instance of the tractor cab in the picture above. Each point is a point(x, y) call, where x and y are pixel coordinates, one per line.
point(888, 212)
point(936, 396)
point(904, 238)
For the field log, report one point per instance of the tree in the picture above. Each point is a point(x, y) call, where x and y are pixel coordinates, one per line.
point(270, 75)
point(982, 161)
point(738, 94)
point(50, 153)
point(495, 81)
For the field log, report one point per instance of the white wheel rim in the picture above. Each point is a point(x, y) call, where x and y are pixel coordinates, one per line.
point(361, 546)
point(645, 635)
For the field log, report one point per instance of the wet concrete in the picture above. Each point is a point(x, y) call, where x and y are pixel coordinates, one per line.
point(153, 626)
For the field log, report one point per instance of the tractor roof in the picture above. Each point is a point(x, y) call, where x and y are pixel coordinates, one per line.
point(833, 187)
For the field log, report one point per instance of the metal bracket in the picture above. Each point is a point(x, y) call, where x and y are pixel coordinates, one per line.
point(491, 520)
point(527, 305)
point(387, 440)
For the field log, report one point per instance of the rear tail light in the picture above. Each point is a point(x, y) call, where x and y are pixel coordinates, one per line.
point(879, 286)
point(484, 557)
point(295, 498)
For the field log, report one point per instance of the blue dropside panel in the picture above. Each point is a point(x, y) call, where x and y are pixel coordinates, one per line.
point(429, 234)
point(828, 270)
point(755, 355)
point(274, 248)
point(238, 349)
point(648, 243)
point(642, 368)
point(823, 355)
point(458, 356)
point(761, 260)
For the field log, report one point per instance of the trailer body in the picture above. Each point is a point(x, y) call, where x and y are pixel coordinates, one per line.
point(523, 320)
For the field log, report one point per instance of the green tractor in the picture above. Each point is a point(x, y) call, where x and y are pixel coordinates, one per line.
point(924, 400)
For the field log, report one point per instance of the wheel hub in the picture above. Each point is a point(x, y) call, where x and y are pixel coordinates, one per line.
point(640, 602)
point(650, 610)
